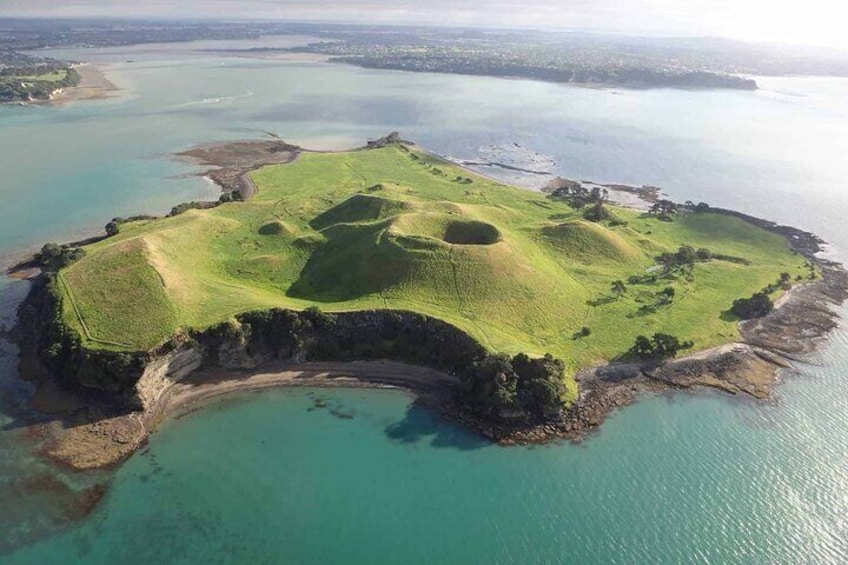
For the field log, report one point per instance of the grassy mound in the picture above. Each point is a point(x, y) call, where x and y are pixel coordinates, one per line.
point(514, 269)
point(589, 243)
point(358, 208)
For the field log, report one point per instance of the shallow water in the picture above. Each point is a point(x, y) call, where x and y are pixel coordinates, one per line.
point(683, 478)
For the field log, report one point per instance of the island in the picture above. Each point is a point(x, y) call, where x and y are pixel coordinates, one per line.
point(527, 316)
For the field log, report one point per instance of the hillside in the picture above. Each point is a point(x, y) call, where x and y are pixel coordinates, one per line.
point(398, 228)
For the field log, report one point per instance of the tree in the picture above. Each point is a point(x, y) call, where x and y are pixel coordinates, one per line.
point(113, 227)
point(757, 306)
point(53, 257)
point(618, 288)
point(642, 347)
point(686, 255)
point(490, 387)
point(585, 331)
point(540, 387)
point(599, 194)
point(659, 346)
point(663, 209)
point(597, 212)
point(666, 345)
point(498, 387)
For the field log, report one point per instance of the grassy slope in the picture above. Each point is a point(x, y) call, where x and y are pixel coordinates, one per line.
point(315, 234)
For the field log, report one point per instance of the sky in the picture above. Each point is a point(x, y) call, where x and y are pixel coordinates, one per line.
point(812, 22)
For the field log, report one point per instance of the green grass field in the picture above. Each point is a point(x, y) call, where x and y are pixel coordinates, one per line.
point(52, 76)
point(394, 228)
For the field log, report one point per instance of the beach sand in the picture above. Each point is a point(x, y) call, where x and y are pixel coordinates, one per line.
point(93, 86)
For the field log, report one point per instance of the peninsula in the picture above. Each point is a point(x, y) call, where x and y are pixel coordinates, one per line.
point(526, 315)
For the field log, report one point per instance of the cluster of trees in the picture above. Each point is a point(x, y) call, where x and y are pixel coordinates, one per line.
point(53, 256)
point(664, 209)
point(114, 226)
point(684, 256)
point(186, 206)
point(755, 307)
point(579, 197)
point(232, 196)
point(698, 208)
point(463, 180)
point(658, 346)
point(784, 281)
point(760, 303)
point(597, 212)
point(500, 387)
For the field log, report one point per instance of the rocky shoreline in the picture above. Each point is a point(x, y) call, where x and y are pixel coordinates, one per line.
point(86, 433)
point(229, 163)
point(802, 319)
point(91, 430)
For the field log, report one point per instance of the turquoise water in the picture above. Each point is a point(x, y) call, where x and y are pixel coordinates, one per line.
point(262, 478)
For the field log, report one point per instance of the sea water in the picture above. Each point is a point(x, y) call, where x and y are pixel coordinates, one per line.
point(273, 477)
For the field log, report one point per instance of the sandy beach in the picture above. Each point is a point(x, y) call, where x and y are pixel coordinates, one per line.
point(83, 437)
point(93, 86)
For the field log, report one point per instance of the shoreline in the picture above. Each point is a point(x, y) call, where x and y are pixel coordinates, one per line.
point(93, 85)
point(93, 435)
point(85, 437)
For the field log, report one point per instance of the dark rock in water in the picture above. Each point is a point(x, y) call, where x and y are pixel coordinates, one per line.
point(392, 139)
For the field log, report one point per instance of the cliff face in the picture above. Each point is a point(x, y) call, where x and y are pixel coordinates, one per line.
point(139, 380)
point(164, 371)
